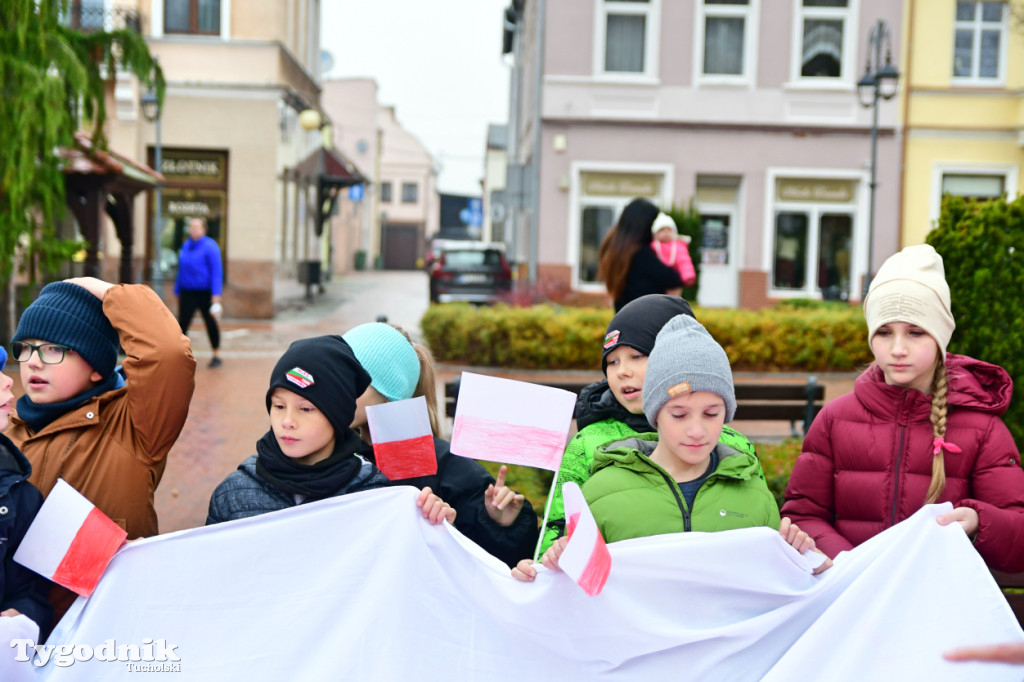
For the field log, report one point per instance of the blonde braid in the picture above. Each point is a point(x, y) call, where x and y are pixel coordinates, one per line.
point(940, 385)
point(427, 385)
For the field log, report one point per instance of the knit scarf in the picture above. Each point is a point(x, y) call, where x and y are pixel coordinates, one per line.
point(316, 481)
point(597, 402)
point(40, 415)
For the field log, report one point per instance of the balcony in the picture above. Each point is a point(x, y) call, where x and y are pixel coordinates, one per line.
point(91, 15)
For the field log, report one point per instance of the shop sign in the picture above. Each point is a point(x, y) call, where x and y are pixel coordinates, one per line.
point(621, 184)
point(193, 166)
point(812, 189)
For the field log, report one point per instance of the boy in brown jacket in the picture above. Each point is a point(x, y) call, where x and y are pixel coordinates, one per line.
point(107, 433)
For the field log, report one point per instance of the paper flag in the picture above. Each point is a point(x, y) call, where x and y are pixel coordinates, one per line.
point(70, 541)
point(403, 443)
point(586, 558)
point(515, 422)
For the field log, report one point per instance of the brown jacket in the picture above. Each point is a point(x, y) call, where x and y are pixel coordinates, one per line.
point(113, 448)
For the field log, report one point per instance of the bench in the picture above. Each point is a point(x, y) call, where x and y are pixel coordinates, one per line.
point(754, 401)
point(1012, 581)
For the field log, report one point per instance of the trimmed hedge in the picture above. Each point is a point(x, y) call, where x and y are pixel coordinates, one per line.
point(795, 336)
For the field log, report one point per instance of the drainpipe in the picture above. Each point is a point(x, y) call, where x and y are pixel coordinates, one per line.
point(535, 208)
point(906, 117)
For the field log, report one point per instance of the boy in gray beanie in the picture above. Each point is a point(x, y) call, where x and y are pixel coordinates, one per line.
point(683, 479)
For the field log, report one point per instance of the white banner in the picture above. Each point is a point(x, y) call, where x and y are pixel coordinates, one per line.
point(361, 588)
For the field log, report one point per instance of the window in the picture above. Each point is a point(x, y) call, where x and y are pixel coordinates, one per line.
point(596, 222)
point(84, 14)
point(726, 40)
point(830, 270)
point(192, 16)
point(980, 41)
point(973, 187)
point(385, 192)
point(410, 192)
point(627, 36)
point(825, 33)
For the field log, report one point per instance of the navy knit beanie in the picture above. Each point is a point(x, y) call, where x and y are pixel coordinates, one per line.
point(71, 316)
point(639, 321)
point(324, 371)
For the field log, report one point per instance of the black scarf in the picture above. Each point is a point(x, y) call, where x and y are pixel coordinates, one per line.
point(316, 481)
point(597, 402)
point(39, 416)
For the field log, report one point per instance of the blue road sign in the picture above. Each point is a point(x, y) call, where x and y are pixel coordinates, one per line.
point(355, 192)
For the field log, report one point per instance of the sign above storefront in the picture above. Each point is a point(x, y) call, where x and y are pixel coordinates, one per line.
point(621, 184)
point(816, 189)
point(178, 165)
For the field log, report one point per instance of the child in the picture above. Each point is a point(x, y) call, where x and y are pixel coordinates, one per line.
point(673, 252)
point(612, 409)
point(922, 426)
point(489, 513)
point(105, 433)
point(21, 591)
point(684, 479)
point(309, 453)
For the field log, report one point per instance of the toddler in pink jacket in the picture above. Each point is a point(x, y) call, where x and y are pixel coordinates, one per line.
point(673, 252)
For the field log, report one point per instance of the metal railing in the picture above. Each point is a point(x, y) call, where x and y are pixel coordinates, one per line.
point(90, 17)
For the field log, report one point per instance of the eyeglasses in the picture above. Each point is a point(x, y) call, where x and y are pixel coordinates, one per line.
point(49, 353)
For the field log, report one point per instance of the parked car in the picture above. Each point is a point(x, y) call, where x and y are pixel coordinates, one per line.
point(476, 272)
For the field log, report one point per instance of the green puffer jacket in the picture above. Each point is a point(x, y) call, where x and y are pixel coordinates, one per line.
point(601, 420)
point(631, 496)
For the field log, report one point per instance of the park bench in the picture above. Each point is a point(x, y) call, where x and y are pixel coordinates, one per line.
point(754, 401)
point(1012, 585)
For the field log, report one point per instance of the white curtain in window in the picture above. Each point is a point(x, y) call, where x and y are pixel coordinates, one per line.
point(624, 43)
point(822, 49)
point(723, 46)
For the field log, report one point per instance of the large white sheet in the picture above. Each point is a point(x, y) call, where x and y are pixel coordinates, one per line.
point(361, 588)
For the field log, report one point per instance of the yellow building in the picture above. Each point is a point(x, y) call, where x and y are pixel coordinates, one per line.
point(963, 66)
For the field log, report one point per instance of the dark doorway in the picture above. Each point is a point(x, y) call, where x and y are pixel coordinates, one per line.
point(400, 246)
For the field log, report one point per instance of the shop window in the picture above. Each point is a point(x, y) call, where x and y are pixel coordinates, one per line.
point(627, 36)
point(979, 40)
point(410, 192)
point(595, 223)
point(817, 261)
point(790, 251)
point(385, 192)
point(973, 187)
point(200, 17)
point(726, 25)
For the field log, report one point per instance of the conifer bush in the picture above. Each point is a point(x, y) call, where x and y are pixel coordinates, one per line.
point(982, 248)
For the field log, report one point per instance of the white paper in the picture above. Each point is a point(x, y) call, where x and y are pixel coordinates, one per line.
point(54, 529)
point(398, 420)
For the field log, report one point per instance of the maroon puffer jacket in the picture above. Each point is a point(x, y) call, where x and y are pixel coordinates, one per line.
point(867, 461)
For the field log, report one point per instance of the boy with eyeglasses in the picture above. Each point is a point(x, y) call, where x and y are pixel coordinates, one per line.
point(106, 432)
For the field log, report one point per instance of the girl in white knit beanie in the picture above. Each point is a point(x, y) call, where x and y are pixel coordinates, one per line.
point(922, 426)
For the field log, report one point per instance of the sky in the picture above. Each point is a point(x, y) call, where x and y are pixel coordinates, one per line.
point(438, 63)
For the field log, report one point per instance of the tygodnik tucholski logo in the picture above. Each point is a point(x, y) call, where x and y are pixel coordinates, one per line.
point(150, 656)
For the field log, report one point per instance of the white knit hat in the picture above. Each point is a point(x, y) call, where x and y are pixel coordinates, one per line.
point(663, 220)
point(911, 287)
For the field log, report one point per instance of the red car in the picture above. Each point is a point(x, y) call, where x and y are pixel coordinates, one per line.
point(475, 272)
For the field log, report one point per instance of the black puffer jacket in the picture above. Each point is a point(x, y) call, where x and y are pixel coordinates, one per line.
point(20, 588)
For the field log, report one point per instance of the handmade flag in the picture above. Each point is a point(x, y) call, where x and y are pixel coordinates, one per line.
point(70, 541)
point(586, 558)
point(515, 422)
point(403, 443)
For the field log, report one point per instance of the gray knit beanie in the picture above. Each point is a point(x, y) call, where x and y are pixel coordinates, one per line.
point(686, 359)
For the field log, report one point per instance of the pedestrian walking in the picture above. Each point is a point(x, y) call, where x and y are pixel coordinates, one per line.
point(199, 283)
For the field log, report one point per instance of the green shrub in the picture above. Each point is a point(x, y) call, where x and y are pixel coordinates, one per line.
point(982, 248)
point(812, 338)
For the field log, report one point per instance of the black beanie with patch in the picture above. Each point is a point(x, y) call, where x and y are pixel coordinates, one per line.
point(638, 322)
point(324, 371)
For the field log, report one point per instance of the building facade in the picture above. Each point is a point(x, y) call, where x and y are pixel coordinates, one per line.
point(746, 108)
point(238, 74)
point(964, 110)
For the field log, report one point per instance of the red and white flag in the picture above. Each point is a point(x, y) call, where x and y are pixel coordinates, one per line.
point(586, 558)
point(403, 443)
point(514, 422)
point(70, 541)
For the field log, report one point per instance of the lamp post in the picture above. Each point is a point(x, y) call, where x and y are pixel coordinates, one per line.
point(151, 109)
point(879, 82)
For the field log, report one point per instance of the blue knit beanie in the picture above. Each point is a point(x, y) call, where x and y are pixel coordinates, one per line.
point(70, 315)
point(389, 358)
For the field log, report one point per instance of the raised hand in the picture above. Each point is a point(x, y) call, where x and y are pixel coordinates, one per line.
point(502, 504)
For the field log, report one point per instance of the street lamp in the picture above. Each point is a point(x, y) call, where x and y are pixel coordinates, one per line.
point(152, 111)
point(880, 81)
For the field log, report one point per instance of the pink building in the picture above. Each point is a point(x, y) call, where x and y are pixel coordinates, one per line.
point(746, 107)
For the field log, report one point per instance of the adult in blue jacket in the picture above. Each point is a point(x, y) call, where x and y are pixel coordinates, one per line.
point(199, 282)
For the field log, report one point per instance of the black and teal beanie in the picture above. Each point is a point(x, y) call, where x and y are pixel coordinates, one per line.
point(72, 316)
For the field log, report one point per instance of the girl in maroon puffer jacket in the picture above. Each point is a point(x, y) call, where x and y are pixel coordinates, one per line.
point(921, 426)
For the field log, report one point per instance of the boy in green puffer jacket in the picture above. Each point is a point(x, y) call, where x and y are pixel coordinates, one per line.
point(612, 409)
point(683, 478)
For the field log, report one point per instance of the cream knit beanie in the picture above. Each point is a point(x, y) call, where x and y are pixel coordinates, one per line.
point(911, 287)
